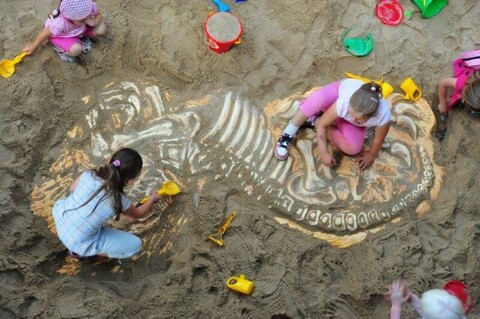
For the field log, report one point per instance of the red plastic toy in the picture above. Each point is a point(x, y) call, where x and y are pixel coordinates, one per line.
point(390, 12)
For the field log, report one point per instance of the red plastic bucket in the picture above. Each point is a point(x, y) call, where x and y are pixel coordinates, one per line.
point(223, 30)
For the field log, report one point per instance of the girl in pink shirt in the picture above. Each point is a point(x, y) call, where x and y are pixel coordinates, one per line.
point(465, 84)
point(70, 31)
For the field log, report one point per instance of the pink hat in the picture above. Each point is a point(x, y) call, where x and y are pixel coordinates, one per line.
point(76, 9)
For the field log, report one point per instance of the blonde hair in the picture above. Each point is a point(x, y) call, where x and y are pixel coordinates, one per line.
point(366, 99)
point(471, 92)
point(439, 304)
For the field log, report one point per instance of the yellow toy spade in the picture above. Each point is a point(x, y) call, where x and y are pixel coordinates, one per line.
point(217, 238)
point(168, 188)
point(387, 89)
point(7, 67)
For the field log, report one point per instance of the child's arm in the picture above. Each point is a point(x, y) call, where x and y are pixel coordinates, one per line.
point(443, 86)
point(74, 184)
point(398, 293)
point(367, 157)
point(416, 303)
point(44, 35)
point(95, 20)
point(142, 210)
point(322, 128)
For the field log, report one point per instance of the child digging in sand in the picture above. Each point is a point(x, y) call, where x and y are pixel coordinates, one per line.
point(465, 86)
point(95, 197)
point(341, 112)
point(434, 304)
point(71, 30)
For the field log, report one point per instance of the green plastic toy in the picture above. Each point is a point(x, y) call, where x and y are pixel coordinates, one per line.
point(360, 45)
point(430, 8)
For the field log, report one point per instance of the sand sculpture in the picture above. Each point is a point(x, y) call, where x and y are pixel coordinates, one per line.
point(223, 136)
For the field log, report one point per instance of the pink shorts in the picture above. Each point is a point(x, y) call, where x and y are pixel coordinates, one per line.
point(346, 137)
point(66, 43)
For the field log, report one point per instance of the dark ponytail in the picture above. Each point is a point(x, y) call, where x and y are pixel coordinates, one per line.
point(366, 99)
point(125, 164)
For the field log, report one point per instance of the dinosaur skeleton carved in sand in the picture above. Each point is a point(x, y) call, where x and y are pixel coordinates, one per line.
point(224, 136)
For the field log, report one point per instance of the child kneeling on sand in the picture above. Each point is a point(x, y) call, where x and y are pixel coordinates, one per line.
point(95, 197)
point(465, 84)
point(71, 30)
point(341, 112)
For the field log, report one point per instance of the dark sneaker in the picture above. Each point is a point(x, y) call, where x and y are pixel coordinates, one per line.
point(282, 146)
point(86, 45)
point(88, 259)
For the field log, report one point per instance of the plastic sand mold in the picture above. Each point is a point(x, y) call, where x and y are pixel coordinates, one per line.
point(390, 12)
point(360, 45)
point(7, 67)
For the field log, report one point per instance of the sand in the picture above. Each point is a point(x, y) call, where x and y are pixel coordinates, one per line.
point(153, 84)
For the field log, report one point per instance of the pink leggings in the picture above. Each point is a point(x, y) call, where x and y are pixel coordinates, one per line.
point(66, 43)
point(347, 137)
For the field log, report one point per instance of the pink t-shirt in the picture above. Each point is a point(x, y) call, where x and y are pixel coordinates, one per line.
point(461, 72)
point(63, 28)
point(345, 92)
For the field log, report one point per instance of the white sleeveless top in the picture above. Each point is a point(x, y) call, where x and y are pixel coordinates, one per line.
point(346, 89)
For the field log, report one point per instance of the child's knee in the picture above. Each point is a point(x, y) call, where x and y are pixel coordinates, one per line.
point(351, 150)
point(100, 30)
point(75, 50)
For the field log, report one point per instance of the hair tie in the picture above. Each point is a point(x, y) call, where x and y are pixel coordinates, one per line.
point(116, 163)
point(373, 88)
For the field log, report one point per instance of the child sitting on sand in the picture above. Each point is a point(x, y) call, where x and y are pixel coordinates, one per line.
point(465, 85)
point(434, 304)
point(70, 31)
point(95, 197)
point(341, 112)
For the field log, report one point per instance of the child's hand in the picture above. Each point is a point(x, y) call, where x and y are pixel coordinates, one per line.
point(365, 160)
point(29, 48)
point(155, 198)
point(442, 107)
point(328, 160)
point(398, 293)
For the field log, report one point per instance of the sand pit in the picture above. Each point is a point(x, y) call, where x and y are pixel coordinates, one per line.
point(318, 243)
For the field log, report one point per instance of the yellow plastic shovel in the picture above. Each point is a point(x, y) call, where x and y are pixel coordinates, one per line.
point(168, 188)
point(7, 67)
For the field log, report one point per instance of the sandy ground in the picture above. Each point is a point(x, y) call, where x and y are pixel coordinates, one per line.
point(155, 56)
